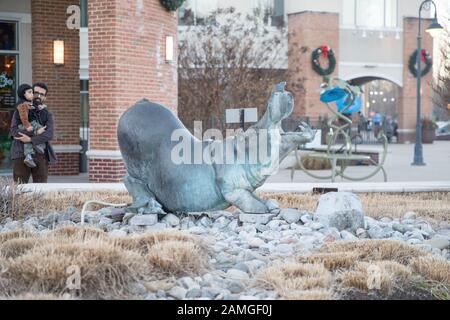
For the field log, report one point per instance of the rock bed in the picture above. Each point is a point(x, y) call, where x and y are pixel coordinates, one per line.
point(243, 244)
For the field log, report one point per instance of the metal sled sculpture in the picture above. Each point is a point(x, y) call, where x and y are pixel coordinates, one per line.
point(345, 95)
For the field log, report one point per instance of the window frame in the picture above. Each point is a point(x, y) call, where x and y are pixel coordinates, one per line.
point(253, 2)
point(383, 26)
point(15, 53)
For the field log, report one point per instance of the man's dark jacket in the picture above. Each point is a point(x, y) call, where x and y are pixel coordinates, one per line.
point(45, 118)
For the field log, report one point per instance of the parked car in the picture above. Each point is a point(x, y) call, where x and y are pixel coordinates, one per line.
point(443, 130)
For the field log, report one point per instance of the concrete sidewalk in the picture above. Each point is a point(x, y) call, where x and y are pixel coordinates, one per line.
point(267, 187)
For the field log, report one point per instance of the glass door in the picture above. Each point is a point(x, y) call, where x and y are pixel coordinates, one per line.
point(8, 83)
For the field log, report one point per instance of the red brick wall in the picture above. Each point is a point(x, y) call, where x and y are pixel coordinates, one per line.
point(408, 94)
point(48, 24)
point(127, 62)
point(310, 30)
point(106, 170)
point(65, 165)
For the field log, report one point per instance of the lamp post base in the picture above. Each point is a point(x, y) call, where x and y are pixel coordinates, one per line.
point(418, 164)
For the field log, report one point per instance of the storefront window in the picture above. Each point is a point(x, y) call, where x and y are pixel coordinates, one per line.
point(8, 84)
point(8, 35)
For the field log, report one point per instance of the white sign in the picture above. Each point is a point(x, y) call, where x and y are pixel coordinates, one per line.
point(234, 115)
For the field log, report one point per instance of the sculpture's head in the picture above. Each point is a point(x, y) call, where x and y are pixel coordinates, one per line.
point(281, 103)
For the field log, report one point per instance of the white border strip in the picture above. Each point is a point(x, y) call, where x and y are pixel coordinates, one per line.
point(67, 148)
point(103, 154)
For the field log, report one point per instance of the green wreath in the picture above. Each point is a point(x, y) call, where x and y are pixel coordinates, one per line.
point(328, 53)
point(412, 64)
point(171, 5)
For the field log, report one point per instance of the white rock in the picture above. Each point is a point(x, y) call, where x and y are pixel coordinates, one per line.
point(221, 222)
point(12, 226)
point(205, 222)
point(361, 233)
point(346, 235)
point(270, 235)
point(144, 220)
point(439, 243)
point(303, 230)
point(178, 292)
point(402, 227)
point(342, 210)
point(197, 230)
point(414, 241)
point(284, 248)
point(256, 218)
point(189, 283)
point(171, 219)
point(316, 225)
point(254, 265)
point(237, 274)
point(255, 242)
point(415, 234)
point(331, 232)
point(306, 218)
point(156, 227)
point(290, 215)
point(410, 215)
point(233, 225)
point(375, 232)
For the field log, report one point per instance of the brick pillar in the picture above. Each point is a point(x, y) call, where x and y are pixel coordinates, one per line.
point(126, 63)
point(310, 30)
point(48, 24)
point(408, 94)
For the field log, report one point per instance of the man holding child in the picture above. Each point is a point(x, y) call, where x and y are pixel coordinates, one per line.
point(32, 130)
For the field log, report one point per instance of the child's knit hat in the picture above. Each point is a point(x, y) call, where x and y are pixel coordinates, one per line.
point(21, 90)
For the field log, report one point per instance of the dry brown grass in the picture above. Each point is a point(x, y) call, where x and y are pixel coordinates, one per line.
point(60, 201)
point(14, 203)
point(433, 268)
point(143, 242)
point(389, 275)
point(381, 266)
point(5, 236)
point(332, 260)
point(298, 280)
point(176, 258)
point(374, 250)
point(40, 264)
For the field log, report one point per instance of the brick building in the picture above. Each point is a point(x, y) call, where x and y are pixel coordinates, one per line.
point(115, 54)
point(118, 62)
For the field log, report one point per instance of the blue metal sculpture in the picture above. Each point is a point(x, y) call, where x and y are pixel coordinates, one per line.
point(348, 101)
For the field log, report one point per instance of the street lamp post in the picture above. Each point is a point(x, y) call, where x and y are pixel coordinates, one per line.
point(433, 29)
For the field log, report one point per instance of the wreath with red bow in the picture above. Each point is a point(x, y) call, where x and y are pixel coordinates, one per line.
point(327, 53)
point(425, 57)
point(171, 5)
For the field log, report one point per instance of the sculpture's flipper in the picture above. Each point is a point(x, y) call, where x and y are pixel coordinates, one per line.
point(246, 201)
point(144, 201)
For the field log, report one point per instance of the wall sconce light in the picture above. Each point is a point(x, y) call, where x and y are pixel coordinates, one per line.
point(58, 52)
point(169, 48)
